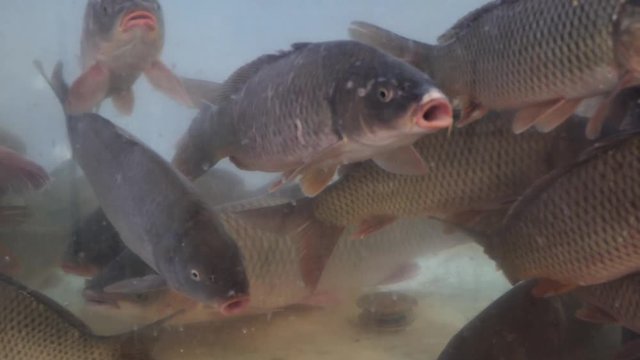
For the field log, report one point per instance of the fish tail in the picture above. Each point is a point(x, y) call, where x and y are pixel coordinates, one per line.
point(314, 238)
point(56, 81)
point(416, 53)
point(204, 144)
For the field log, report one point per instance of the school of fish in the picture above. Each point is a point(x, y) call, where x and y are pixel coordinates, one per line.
point(519, 130)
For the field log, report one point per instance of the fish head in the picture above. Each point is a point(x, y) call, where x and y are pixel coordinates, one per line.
point(385, 101)
point(206, 264)
point(123, 19)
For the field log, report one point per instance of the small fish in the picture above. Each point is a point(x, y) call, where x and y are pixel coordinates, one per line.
point(520, 326)
point(121, 40)
point(577, 226)
point(158, 214)
point(94, 244)
point(477, 168)
point(306, 111)
point(543, 57)
point(36, 327)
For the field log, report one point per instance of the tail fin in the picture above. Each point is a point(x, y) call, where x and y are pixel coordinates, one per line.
point(315, 239)
point(414, 52)
point(202, 92)
point(56, 81)
point(204, 144)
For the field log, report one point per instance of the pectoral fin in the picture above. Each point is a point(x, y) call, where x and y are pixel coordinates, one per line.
point(372, 225)
point(405, 161)
point(88, 90)
point(138, 285)
point(123, 102)
point(168, 83)
point(316, 179)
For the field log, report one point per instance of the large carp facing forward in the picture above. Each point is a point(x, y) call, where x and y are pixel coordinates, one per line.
point(541, 56)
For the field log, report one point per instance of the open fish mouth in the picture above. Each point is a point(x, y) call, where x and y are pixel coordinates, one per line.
point(138, 19)
point(434, 113)
point(235, 306)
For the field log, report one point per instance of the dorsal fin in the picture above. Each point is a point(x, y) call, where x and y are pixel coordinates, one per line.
point(591, 153)
point(237, 80)
point(462, 25)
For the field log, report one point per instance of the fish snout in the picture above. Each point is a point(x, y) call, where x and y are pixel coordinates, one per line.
point(139, 18)
point(235, 305)
point(434, 112)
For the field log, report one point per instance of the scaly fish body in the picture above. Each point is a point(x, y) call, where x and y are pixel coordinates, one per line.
point(475, 168)
point(35, 327)
point(310, 109)
point(580, 225)
point(515, 54)
point(618, 299)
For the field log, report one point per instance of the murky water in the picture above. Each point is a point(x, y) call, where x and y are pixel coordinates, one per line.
point(209, 40)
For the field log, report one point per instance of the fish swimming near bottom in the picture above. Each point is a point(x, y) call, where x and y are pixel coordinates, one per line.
point(157, 212)
point(520, 326)
point(35, 327)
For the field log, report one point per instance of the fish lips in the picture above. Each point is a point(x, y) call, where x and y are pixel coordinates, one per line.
point(433, 113)
point(139, 19)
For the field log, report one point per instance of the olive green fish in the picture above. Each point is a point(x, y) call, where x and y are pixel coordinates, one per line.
point(578, 226)
point(306, 111)
point(543, 57)
point(36, 327)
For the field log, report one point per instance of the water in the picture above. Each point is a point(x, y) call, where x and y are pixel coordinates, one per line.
point(209, 40)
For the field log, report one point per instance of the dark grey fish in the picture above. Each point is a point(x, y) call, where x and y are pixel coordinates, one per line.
point(519, 326)
point(121, 40)
point(158, 214)
point(306, 111)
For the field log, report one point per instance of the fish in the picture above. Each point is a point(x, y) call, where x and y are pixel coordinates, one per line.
point(306, 111)
point(541, 57)
point(577, 226)
point(36, 327)
point(94, 244)
point(19, 174)
point(477, 168)
point(121, 40)
point(158, 214)
point(275, 275)
point(520, 326)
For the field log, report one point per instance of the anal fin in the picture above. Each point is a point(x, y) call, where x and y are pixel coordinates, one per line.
point(559, 115)
point(548, 113)
point(372, 225)
point(547, 288)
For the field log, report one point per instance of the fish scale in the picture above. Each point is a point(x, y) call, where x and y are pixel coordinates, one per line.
point(579, 227)
point(473, 167)
point(32, 330)
point(574, 42)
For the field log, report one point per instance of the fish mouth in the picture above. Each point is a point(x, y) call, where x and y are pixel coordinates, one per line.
point(138, 19)
point(235, 306)
point(434, 113)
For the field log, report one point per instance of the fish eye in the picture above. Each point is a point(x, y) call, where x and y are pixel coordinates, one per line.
point(195, 275)
point(384, 94)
